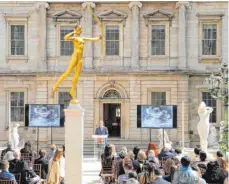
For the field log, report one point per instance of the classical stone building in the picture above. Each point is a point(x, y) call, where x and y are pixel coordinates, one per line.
point(155, 53)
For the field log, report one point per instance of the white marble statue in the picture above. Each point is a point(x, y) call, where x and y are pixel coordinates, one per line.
point(213, 137)
point(203, 125)
point(15, 136)
point(167, 142)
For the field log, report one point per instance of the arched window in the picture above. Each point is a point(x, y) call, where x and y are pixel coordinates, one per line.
point(112, 94)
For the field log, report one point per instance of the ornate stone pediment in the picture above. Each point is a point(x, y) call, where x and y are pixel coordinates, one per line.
point(66, 16)
point(158, 15)
point(113, 15)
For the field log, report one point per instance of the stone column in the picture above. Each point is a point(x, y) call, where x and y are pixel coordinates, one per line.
point(87, 32)
point(135, 6)
point(74, 131)
point(41, 24)
point(182, 34)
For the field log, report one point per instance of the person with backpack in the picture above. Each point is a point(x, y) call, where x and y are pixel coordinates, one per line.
point(212, 172)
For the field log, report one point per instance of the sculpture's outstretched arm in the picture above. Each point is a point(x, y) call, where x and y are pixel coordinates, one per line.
point(68, 37)
point(92, 39)
point(209, 109)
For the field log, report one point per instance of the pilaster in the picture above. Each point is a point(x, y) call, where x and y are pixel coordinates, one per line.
point(87, 32)
point(182, 44)
point(135, 28)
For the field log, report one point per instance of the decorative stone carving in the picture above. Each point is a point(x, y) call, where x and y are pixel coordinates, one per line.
point(113, 15)
point(42, 5)
point(213, 137)
point(157, 15)
point(86, 4)
point(186, 4)
point(66, 16)
point(135, 3)
point(15, 136)
point(166, 140)
point(111, 94)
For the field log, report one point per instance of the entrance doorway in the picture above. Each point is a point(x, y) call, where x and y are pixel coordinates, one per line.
point(112, 118)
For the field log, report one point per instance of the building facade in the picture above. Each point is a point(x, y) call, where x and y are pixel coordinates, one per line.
point(155, 53)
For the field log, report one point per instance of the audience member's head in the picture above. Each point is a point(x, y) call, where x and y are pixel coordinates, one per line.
point(4, 165)
point(176, 161)
point(122, 154)
point(203, 156)
point(223, 164)
point(127, 165)
point(151, 146)
point(185, 161)
point(219, 154)
point(42, 152)
point(113, 150)
point(135, 151)
point(197, 170)
point(52, 147)
point(58, 154)
point(107, 151)
point(178, 151)
point(141, 156)
point(167, 166)
point(17, 154)
point(133, 174)
point(9, 145)
point(28, 146)
point(158, 172)
point(132, 181)
point(197, 151)
point(130, 155)
point(151, 152)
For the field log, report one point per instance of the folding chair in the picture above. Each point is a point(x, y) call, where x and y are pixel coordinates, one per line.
point(17, 177)
point(28, 158)
point(108, 171)
point(6, 182)
point(37, 169)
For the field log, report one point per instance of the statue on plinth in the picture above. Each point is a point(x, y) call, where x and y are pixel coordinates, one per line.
point(203, 125)
point(166, 141)
point(15, 136)
point(76, 60)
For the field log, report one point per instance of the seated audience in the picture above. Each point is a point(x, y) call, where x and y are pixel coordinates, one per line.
point(176, 161)
point(223, 170)
point(202, 164)
point(197, 154)
point(147, 174)
point(131, 155)
point(44, 163)
point(152, 158)
point(9, 148)
point(113, 150)
point(5, 174)
point(219, 155)
point(18, 165)
point(178, 153)
point(132, 181)
point(211, 174)
point(128, 167)
point(169, 169)
point(119, 161)
point(152, 146)
point(141, 161)
point(135, 151)
point(27, 149)
point(53, 176)
point(185, 174)
point(198, 172)
point(158, 177)
point(165, 153)
point(133, 175)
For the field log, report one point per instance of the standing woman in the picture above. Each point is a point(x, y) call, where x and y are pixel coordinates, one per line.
point(54, 168)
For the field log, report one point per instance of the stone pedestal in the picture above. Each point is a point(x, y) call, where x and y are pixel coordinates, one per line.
point(74, 125)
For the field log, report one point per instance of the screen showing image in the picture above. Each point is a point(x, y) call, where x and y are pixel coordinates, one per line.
point(156, 116)
point(44, 115)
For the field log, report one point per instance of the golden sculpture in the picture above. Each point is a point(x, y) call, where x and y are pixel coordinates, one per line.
point(76, 59)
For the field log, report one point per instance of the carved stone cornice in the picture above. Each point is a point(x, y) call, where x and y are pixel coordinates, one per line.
point(86, 4)
point(135, 3)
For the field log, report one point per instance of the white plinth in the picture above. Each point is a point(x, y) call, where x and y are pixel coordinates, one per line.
point(74, 123)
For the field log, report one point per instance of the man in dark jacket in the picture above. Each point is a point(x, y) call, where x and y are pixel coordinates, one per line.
point(44, 163)
point(158, 174)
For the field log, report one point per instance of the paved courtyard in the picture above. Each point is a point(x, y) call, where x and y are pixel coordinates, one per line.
point(91, 171)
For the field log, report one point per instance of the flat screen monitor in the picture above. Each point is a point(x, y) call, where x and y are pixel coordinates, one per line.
point(44, 115)
point(162, 116)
